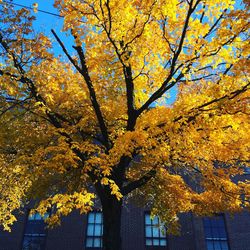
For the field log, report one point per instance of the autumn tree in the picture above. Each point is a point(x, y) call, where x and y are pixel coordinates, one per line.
point(100, 116)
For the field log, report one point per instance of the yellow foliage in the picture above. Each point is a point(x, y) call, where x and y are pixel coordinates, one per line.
point(153, 103)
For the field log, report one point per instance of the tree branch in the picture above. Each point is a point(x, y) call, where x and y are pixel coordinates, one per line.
point(164, 87)
point(229, 96)
point(84, 72)
point(138, 183)
point(130, 97)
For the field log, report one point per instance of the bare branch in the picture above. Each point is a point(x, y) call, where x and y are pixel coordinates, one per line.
point(229, 96)
point(165, 85)
point(84, 72)
point(138, 183)
point(66, 51)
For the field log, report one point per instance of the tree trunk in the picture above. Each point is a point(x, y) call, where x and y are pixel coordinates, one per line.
point(112, 209)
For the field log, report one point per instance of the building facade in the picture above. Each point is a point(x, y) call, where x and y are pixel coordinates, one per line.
point(139, 232)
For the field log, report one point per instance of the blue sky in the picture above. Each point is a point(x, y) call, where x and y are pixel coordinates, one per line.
point(45, 22)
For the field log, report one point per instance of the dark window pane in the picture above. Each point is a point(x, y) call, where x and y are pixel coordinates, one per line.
point(206, 222)
point(217, 245)
point(98, 218)
point(156, 232)
point(98, 230)
point(148, 231)
point(163, 242)
point(208, 233)
point(147, 219)
point(222, 233)
point(97, 242)
point(38, 216)
point(148, 242)
point(31, 242)
point(213, 222)
point(91, 218)
point(155, 221)
point(31, 217)
point(210, 245)
point(221, 224)
point(90, 230)
point(215, 232)
point(156, 242)
point(224, 245)
point(89, 242)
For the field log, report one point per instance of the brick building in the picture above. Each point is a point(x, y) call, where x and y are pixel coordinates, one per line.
point(139, 232)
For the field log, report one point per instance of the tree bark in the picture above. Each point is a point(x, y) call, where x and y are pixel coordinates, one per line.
point(112, 209)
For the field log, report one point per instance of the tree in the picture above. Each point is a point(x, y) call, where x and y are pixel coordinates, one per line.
point(100, 116)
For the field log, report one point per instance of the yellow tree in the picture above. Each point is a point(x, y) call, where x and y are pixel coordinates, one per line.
point(100, 117)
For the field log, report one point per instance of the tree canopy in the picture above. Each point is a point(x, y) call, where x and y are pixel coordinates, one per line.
point(100, 115)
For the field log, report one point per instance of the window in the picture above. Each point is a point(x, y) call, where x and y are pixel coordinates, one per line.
point(215, 233)
point(155, 232)
point(247, 170)
point(94, 230)
point(35, 233)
